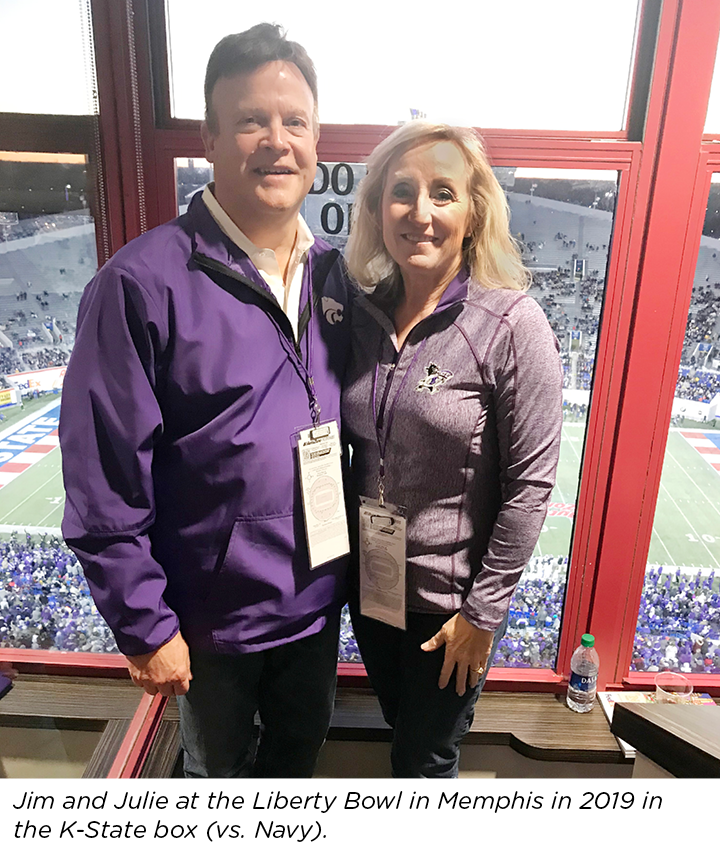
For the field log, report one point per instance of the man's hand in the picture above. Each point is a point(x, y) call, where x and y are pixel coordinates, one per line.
point(465, 646)
point(165, 671)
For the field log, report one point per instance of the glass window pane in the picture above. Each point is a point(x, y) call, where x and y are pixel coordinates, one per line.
point(563, 221)
point(191, 175)
point(47, 255)
point(47, 57)
point(679, 620)
point(40, 748)
point(513, 64)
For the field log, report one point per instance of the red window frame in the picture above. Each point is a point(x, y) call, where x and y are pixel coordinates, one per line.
point(673, 189)
point(664, 162)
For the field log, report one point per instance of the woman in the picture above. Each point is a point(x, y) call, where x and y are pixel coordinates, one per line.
point(453, 409)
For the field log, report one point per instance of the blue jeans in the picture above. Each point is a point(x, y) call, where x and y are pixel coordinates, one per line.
point(428, 722)
point(291, 686)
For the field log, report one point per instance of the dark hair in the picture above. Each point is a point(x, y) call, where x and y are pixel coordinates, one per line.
point(244, 52)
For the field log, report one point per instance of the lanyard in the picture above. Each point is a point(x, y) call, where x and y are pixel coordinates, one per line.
point(290, 344)
point(382, 444)
point(303, 370)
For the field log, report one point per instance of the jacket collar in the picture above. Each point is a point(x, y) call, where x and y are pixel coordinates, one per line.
point(456, 290)
point(208, 238)
point(455, 293)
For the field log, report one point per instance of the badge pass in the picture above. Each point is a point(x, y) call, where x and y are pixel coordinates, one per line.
point(319, 453)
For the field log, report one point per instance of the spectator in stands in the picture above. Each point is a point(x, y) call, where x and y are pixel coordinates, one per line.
point(452, 405)
point(202, 347)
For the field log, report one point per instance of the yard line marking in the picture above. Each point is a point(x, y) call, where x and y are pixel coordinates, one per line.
point(572, 446)
point(707, 498)
point(700, 441)
point(706, 445)
point(662, 544)
point(559, 490)
point(571, 443)
point(50, 513)
point(695, 532)
point(30, 495)
point(560, 493)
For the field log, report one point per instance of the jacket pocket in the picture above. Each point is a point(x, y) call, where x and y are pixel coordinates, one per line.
point(259, 567)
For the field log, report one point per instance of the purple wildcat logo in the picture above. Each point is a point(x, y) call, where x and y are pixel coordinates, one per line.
point(434, 378)
point(332, 310)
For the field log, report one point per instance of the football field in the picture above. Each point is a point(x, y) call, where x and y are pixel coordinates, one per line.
point(31, 490)
point(686, 531)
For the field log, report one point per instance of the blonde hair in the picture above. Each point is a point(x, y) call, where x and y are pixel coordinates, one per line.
point(490, 252)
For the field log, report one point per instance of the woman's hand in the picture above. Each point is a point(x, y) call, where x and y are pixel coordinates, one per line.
point(466, 647)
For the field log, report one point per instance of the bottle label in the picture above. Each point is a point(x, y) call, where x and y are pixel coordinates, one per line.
point(581, 683)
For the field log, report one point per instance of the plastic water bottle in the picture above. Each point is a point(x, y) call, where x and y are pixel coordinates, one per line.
point(584, 667)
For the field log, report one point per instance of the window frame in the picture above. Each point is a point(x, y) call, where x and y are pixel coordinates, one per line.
point(663, 158)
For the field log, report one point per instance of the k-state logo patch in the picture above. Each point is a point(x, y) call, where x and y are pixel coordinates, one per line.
point(333, 310)
point(434, 378)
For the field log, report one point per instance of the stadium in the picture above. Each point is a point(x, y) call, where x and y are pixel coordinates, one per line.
point(602, 125)
point(44, 263)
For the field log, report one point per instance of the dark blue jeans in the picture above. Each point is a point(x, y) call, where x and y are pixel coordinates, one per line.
point(428, 722)
point(292, 687)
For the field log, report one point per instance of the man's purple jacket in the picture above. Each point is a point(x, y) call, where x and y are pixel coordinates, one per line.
point(179, 405)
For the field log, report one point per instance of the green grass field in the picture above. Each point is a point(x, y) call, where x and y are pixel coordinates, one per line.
point(687, 522)
point(34, 500)
point(686, 532)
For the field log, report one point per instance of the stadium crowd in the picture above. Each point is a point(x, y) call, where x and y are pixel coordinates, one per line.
point(679, 623)
point(45, 358)
point(44, 599)
point(37, 226)
point(45, 605)
point(697, 384)
point(13, 361)
point(575, 306)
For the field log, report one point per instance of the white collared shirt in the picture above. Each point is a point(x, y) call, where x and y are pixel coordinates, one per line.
point(265, 261)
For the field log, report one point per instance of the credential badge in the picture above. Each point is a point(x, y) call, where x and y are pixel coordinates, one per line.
point(434, 378)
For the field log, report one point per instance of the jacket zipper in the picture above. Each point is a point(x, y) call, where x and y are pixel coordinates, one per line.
point(278, 314)
point(396, 360)
point(388, 385)
point(280, 317)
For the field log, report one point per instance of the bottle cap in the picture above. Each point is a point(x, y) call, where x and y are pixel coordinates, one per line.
point(587, 640)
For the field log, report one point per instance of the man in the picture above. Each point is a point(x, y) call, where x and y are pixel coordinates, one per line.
point(202, 348)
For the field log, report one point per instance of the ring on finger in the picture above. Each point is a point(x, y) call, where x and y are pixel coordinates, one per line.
point(479, 671)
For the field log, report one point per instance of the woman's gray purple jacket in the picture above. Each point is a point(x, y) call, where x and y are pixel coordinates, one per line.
point(180, 401)
point(470, 414)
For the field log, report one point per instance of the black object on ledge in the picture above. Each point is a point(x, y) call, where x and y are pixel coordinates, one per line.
point(684, 739)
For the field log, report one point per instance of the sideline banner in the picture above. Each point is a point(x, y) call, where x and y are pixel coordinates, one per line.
point(11, 396)
point(42, 380)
